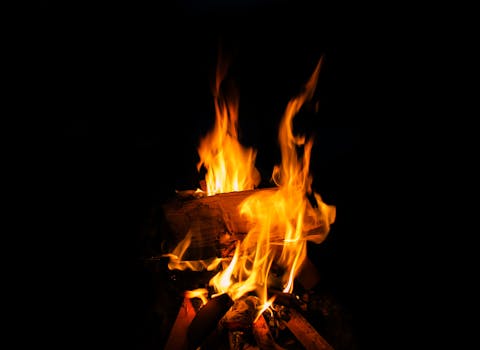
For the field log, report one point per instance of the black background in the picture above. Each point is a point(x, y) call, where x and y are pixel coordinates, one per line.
point(124, 95)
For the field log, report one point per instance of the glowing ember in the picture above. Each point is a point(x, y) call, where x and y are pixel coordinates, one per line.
point(280, 221)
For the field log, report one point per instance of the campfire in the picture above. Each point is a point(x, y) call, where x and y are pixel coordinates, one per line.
point(249, 242)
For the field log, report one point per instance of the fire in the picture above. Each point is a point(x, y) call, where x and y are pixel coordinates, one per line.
point(230, 166)
point(281, 221)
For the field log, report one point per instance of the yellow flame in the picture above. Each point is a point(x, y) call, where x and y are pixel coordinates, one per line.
point(223, 280)
point(281, 221)
point(230, 166)
point(266, 305)
point(201, 293)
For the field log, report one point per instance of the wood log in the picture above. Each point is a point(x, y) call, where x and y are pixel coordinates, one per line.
point(177, 339)
point(263, 336)
point(215, 221)
point(305, 333)
point(206, 320)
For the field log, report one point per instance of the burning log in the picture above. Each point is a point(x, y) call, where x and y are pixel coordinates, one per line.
point(207, 217)
point(178, 334)
point(263, 336)
point(236, 325)
point(305, 333)
point(206, 320)
point(215, 222)
point(239, 320)
point(222, 323)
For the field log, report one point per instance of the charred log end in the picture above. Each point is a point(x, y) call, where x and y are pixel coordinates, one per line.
point(206, 320)
point(177, 337)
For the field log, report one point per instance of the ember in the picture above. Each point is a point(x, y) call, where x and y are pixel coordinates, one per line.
point(223, 324)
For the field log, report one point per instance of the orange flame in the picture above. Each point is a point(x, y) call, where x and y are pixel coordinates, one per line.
point(281, 222)
point(230, 166)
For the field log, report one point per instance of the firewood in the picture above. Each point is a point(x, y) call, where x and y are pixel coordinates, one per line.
point(215, 221)
point(177, 339)
point(206, 320)
point(263, 336)
point(305, 333)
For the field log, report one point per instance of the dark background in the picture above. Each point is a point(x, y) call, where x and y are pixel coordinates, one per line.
point(124, 91)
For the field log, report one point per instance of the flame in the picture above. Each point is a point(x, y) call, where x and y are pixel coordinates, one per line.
point(295, 181)
point(230, 166)
point(223, 280)
point(266, 306)
point(200, 293)
point(281, 221)
point(176, 261)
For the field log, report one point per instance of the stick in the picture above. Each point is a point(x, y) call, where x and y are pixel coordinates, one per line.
point(177, 339)
point(206, 320)
point(263, 336)
point(305, 333)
